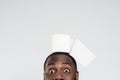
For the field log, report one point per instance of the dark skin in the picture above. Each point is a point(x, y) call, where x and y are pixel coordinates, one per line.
point(60, 67)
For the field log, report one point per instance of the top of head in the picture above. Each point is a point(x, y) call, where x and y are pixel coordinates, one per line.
point(61, 53)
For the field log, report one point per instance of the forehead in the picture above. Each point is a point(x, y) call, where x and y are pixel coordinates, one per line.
point(60, 58)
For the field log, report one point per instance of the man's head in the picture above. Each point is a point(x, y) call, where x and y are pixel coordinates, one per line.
point(60, 66)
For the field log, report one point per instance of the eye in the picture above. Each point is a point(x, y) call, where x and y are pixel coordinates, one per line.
point(66, 70)
point(51, 71)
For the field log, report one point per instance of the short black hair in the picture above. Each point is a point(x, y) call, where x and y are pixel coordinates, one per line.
point(64, 53)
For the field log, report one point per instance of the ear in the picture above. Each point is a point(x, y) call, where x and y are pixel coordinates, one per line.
point(44, 76)
point(77, 75)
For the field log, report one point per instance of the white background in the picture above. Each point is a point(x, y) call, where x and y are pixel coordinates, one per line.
point(26, 27)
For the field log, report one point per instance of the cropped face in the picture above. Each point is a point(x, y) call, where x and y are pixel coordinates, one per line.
point(60, 67)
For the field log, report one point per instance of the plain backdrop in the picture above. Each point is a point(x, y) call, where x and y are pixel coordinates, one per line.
point(26, 27)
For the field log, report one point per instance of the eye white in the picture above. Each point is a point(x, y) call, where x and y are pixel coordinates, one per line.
point(51, 71)
point(66, 70)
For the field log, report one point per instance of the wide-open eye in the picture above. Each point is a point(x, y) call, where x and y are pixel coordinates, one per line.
point(51, 71)
point(66, 70)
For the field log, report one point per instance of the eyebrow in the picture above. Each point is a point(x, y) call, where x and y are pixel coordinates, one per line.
point(51, 64)
point(66, 63)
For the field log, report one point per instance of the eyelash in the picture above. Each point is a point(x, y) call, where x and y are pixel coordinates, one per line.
point(53, 71)
point(68, 70)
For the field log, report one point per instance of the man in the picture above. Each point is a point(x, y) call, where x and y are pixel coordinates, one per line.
point(60, 66)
